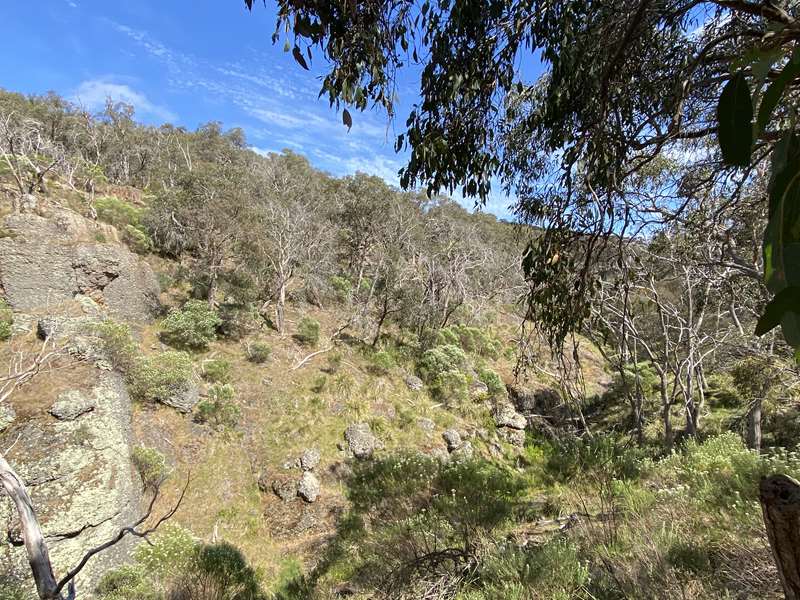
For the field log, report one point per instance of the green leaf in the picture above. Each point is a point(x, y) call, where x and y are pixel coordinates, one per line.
point(774, 92)
point(298, 56)
point(347, 119)
point(786, 301)
point(734, 121)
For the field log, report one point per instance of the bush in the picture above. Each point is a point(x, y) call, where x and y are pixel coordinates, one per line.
point(334, 362)
point(128, 221)
point(150, 464)
point(439, 360)
point(722, 392)
point(192, 326)
point(381, 363)
point(470, 339)
point(158, 377)
point(219, 409)
point(307, 332)
point(342, 288)
point(117, 343)
point(217, 371)
point(6, 320)
point(218, 572)
point(258, 352)
point(417, 508)
point(128, 582)
point(497, 388)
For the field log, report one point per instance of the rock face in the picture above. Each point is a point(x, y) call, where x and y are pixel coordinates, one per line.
point(452, 438)
point(7, 416)
point(360, 440)
point(505, 415)
point(51, 260)
point(71, 405)
point(463, 452)
point(515, 437)
point(79, 476)
point(308, 487)
point(184, 399)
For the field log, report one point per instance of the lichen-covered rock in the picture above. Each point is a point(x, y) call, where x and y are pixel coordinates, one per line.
point(309, 459)
point(49, 260)
point(414, 383)
point(308, 487)
point(360, 440)
point(515, 437)
point(463, 452)
point(452, 438)
point(183, 399)
point(285, 489)
point(477, 388)
point(506, 416)
point(80, 478)
point(70, 405)
point(7, 416)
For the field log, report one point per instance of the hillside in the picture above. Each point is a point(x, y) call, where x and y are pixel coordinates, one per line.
point(333, 384)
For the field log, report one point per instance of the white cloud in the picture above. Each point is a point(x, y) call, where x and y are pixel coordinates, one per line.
point(93, 94)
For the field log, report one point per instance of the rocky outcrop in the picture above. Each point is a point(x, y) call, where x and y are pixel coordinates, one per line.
point(49, 260)
point(506, 416)
point(309, 459)
point(414, 383)
point(183, 399)
point(80, 478)
point(71, 405)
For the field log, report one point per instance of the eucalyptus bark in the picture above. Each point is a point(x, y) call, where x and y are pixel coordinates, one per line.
point(780, 503)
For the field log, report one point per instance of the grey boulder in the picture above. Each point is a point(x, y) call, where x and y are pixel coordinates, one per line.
point(309, 459)
point(360, 440)
point(308, 487)
point(70, 405)
point(506, 416)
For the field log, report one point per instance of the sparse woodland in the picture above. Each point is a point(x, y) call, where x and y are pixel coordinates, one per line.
point(395, 397)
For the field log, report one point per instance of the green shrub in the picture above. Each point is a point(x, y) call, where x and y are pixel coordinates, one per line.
point(439, 360)
point(158, 377)
point(497, 388)
point(418, 507)
point(722, 392)
point(6, 320)
point(219, 409)
point(342, 288)
point(334, 362)
point(308, 332)
point(150, 464)
point(258, 352)
point(572, 458)
point(170, 553)
point(192, 326)
point(128, 221)
point(470, 339)
point(319, 384)
point(621, 387)
point(128, 582)
point(381, 362)
point(217, 371)
point(117, 343)
point(218, 572)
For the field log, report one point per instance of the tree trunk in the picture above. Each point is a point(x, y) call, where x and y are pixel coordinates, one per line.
point(780, 503)
point(35, 546)
point(754, 426)
point(279, 308)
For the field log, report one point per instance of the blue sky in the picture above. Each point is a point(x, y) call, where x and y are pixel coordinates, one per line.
point(189, 63)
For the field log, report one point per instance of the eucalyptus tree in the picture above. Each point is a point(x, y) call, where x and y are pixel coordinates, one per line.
point(624, 83)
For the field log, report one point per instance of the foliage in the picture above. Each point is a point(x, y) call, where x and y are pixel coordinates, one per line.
point(218, 572)
point(117, 343)
point(258, 352)
point(722, 391)
point(157, 377)
point(192, 326)
point(443, 368)
point(219, 409)
point(128, 582)
point(127, 219)
point(308, 332)
point(217, 370)
point(497, 388)
point(6, 320)
point(151, 466)
point(470, 339)
point(381, 362)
